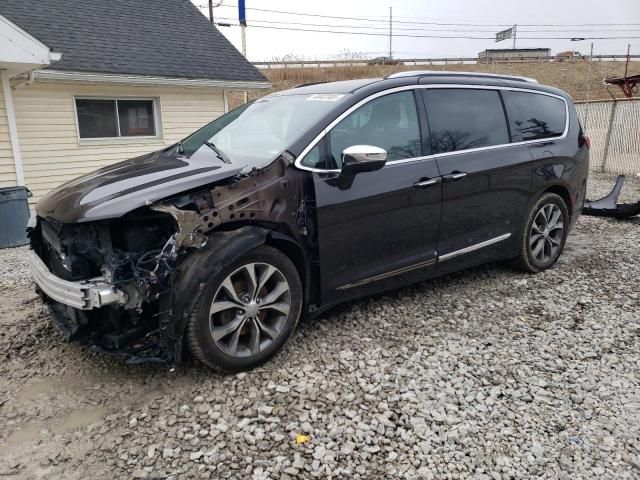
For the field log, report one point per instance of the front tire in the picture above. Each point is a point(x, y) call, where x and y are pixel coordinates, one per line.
point(544, 234)
point(246, 312)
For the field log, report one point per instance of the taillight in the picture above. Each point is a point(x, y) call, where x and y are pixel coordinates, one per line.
point(586, 141)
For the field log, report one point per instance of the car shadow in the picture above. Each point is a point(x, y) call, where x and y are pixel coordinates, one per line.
point(424, 287)
point(309, 330)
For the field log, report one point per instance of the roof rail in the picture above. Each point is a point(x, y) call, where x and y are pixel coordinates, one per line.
point(425, 73)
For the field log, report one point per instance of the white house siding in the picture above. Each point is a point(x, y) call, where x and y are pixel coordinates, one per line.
point(52, 153)
point(7, 167)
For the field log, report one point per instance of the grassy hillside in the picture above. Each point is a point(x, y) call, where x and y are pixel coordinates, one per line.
point(569, 76)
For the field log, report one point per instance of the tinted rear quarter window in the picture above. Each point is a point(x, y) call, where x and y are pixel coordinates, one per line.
point(460, 119)
point(533, 116)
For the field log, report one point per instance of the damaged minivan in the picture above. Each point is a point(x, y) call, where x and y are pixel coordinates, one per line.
point(216, 246)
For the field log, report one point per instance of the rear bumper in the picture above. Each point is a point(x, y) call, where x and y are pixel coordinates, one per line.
point(85, 295)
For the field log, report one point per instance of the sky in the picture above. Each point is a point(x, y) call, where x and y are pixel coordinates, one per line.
point(481, 18)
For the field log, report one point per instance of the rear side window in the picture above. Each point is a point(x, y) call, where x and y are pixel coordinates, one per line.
point(533, 115)
point(460, 119)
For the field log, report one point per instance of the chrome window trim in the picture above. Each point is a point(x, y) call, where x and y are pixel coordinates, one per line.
point(402, 161)
point(314, 142)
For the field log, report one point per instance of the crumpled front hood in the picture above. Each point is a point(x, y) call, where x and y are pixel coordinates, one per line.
point(112, 191)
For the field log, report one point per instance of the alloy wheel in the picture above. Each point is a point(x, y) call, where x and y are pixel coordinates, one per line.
point(545, 237)
point(250, 309)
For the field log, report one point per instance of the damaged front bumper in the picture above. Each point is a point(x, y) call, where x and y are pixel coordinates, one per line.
point(134, 345)
point(85, 295)
point(100, 316)
point(89, 312)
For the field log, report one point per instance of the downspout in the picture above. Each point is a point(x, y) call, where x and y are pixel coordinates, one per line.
point(13, 129)
point(225, 95)
point(24, 82)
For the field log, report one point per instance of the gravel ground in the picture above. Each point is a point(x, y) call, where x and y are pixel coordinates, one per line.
point(486, 374)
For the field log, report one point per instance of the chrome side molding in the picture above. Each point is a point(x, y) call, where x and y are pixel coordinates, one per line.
point(425, 263)
point(472, 248)
point(388, 274)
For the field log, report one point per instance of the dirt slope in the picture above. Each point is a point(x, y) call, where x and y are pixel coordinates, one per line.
point(569, 76)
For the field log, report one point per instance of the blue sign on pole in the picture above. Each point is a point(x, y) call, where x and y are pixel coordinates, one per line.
point(242, 16)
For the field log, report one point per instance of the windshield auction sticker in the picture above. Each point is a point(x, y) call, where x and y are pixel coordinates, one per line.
point(325, 97)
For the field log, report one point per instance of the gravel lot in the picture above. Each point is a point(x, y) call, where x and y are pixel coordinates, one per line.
point(487, 374)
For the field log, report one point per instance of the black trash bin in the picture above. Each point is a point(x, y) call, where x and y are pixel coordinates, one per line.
point(14, 215)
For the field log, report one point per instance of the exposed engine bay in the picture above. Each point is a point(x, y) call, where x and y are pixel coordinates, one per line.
point(140, 253)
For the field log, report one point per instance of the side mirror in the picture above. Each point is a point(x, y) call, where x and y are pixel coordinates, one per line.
point(362, 158)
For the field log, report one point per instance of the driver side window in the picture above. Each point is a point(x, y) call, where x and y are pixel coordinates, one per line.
point(389, 122)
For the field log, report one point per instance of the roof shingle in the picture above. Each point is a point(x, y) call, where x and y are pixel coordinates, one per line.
point(160, 38)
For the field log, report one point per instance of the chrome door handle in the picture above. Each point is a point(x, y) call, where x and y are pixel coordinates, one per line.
point(427, 183)
point(453, 177)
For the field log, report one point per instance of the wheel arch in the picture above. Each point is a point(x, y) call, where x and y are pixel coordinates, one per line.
point(522, 260)
point(222, 248)
point(297, 254)
point(563, 192)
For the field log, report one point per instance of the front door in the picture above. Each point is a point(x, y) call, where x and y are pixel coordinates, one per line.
point(486, 180)
point(377, 228)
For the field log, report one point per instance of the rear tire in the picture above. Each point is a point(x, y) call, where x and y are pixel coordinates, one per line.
point(246, 312)
point(544, 234)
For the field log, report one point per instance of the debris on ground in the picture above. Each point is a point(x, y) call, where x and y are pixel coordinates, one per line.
point(609, 207)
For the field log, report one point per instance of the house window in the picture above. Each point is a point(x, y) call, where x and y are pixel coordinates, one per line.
point(106, 118)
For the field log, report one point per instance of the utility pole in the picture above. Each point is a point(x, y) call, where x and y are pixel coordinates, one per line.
point(390, 31)
point(586, 111)
point(515, 29)
point(626, 65)
point(242, 18)
point(211, 11)
point(243, 34)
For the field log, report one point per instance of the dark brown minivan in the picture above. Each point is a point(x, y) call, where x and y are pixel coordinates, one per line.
point(304, 199)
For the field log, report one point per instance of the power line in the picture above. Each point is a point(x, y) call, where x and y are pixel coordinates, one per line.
point(524, 24)
point(416, 29)
point(369, 19)
point(280, 22)
point(467, 37)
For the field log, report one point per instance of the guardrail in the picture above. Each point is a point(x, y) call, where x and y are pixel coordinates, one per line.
point(435, 61)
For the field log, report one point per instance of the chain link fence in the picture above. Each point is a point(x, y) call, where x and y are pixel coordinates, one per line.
point(614, 129)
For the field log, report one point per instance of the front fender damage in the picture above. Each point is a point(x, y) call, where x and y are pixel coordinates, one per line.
point(201, 231)
point(192, 275)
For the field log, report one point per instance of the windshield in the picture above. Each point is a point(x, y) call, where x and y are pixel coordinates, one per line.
point(257, 132)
